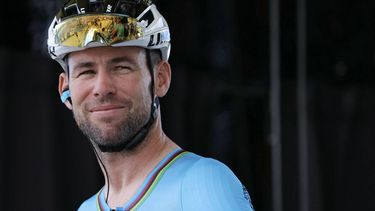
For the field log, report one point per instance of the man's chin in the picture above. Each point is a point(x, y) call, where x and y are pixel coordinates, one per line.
point(107, 123)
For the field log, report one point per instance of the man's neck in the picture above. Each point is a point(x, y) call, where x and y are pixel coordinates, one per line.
point(128, 170)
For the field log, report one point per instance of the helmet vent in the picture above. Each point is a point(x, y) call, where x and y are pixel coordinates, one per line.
point(97, 7)
point(148, 16)
point(71, 10)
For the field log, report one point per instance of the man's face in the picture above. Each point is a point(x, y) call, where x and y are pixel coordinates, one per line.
point(110, 91)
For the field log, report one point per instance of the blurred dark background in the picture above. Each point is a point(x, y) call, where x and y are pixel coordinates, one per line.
point(282, 91)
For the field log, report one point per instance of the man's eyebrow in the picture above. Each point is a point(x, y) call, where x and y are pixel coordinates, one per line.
point(83, 65)
point(121, 59)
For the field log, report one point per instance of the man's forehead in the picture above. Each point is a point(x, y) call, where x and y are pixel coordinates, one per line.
point(128, 51)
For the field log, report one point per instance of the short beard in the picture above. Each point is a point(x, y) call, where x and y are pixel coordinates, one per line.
point(121, 136)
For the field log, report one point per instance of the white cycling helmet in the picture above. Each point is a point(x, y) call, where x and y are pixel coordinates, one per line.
point(82, 24)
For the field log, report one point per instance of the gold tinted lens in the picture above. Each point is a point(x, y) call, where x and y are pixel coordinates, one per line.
point(106, 29)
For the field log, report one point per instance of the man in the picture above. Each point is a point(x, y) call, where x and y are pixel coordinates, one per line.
point(112, 83)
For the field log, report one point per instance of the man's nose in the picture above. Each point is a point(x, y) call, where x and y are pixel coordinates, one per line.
point(104, 84)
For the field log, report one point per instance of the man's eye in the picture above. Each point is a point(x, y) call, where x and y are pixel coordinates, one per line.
point(122, 68)
point(86, 72)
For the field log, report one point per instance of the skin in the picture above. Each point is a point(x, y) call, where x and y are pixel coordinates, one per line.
point(106, 91)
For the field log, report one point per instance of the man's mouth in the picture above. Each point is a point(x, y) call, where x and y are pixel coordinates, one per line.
point(104, 108)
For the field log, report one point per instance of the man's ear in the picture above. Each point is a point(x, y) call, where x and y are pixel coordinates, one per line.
point(64, 86)
point(162, 78)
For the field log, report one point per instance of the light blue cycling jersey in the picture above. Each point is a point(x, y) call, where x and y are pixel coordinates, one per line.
point(183, 181)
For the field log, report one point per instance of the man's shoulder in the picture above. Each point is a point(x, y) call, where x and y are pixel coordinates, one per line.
point(191, 169)
point(209, 184)
point(200, 166)
point(89, 204)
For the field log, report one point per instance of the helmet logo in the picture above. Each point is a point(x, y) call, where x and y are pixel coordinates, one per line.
point(82, 10)
point(109, 8)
